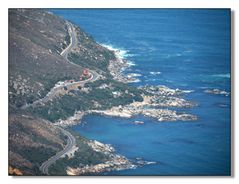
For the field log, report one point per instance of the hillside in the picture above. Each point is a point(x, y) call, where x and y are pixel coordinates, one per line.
point(36, 39)
point(45, 86)
point(32, 141)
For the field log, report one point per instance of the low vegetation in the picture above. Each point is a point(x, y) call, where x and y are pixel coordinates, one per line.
point(85, 155)
point(89, 97)
point(31, 142)
point(36, 39)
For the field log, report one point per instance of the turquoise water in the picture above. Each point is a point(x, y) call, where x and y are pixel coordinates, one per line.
point(186, 49)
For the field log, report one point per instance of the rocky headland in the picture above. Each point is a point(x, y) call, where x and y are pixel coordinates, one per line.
point(118, 66)
point(156, 103)
point(115, 161)
point(148, 108)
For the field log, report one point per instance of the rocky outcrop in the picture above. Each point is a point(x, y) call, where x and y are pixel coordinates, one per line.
point(115, 161)
point(158, 114)
point(158, 96)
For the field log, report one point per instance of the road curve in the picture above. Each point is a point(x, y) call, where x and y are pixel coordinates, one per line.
point(65, 52)
point(70, 143)
point(94, 76)
point(73, 43)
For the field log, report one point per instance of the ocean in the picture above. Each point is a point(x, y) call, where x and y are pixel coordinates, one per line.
point(187, 49)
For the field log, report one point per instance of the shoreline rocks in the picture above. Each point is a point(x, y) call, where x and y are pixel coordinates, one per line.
point(116, 162)
point(162, 96)
point(163, 90)
point(153, 97)
point(73, 120)
point(100, 147)
point(117, 67)
point(158, 114)
point(156, 100)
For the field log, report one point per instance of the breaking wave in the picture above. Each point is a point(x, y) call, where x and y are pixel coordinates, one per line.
point(131, 63)
point(134, 75)
point(135, 81)
point(155, 73)
point(119, 52)
point(227, 75)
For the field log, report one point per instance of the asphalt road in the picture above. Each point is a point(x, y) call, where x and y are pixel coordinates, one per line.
point(70, 143)
point(64, 53)
point(73, 41)
point(94, 76)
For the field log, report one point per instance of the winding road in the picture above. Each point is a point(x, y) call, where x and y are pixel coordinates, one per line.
point(71, 142)
point(73, 43)
point(57, 90)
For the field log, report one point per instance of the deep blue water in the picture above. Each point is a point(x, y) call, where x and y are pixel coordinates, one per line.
point(191, 50)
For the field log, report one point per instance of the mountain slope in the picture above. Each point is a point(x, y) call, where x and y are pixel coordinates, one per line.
point(32, 141)
point(36, 41)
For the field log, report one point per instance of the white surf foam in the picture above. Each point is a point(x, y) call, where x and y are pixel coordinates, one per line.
point(131, 63)
point(155, 73)
point(227, 75)
point(135, 81)
point(134, 75)
point(120, 52)
point(148, 163)
point(188, 91)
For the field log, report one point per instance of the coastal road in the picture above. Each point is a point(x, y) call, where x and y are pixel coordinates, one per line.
point(56, 90)
point(70, 143)
point(73, 42)
point(67, 50)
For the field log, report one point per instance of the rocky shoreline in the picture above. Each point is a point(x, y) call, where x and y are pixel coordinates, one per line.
point(156, 103)
point(160, 115)
point(154, 97)
point(71, 121)
point(118, 66)
point(116, 162)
